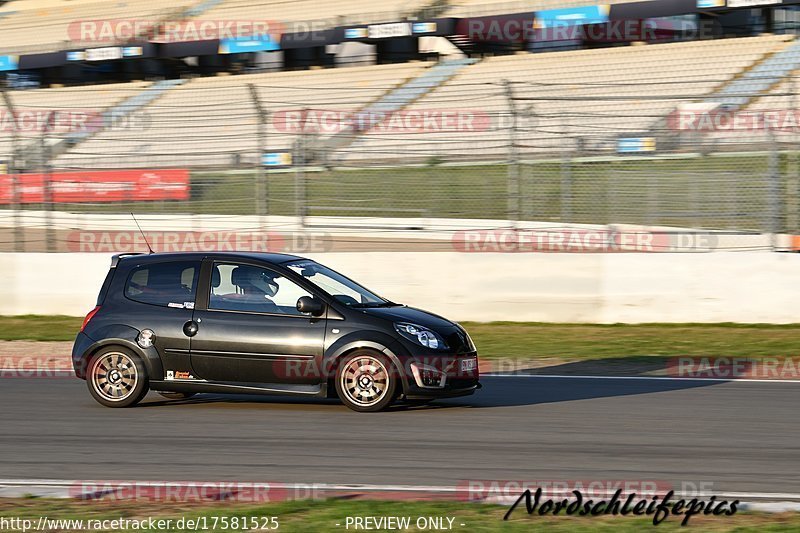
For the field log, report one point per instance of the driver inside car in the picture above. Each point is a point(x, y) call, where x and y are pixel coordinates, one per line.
point(254, 286)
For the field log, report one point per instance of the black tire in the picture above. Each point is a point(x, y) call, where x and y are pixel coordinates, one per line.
point(177, 395)
point(366, 381)
point(117, 377)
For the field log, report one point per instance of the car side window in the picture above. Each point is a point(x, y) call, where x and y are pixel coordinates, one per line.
point(237, 287)
point(168, 284)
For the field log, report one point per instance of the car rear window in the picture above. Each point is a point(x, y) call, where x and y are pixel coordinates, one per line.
point(171, 284)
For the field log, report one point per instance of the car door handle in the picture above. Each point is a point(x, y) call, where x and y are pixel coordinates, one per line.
point(190, 328)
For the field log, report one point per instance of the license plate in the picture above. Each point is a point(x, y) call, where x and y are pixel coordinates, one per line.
point(470, 364)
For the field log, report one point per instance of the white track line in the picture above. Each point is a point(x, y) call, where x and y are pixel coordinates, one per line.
point(651, 378)
point(330, 487)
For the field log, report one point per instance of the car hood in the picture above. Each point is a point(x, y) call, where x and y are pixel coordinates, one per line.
point(411, 315)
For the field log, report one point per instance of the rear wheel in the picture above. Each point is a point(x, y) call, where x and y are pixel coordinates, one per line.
point(177, 395)
point(366, 382)
point(117, 377)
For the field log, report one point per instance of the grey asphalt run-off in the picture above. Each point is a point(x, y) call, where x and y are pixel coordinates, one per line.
point(723, 436)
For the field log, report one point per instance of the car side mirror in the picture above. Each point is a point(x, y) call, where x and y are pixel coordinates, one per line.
point(311, 306)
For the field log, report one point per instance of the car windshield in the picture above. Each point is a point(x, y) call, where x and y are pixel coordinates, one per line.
point(343, 289)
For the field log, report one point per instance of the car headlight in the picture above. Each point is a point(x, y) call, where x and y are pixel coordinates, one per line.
point(421, 335)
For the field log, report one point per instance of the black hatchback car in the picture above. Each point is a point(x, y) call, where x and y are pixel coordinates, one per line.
point(263, 323)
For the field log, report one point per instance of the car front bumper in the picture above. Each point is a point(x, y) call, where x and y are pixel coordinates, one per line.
point(416, 393)
point(442, 376)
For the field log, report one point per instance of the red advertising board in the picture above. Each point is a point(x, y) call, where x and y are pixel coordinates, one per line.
point(99, 186)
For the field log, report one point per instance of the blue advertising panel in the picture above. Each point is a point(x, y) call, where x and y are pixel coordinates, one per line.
point(423, 27)
point(356, 33)
point(279, 159)
point(8, 63)
point(132, 51)
point(239, 45)
point(705, 4)
point(636, 145)
point(572, 16)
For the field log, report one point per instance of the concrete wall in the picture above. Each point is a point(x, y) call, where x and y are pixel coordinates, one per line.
point(601, 288)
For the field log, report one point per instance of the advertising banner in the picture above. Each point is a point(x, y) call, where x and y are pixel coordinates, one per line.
point(389, 30)
point(634, 145)
point(263, 43)
point(572, 16)
point(9, 63)
point(99, 186)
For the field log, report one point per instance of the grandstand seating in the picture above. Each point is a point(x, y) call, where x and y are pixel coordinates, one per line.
point(330, 12)
point(213, 122)
point(73, 103)
point(586, 96)
point(596, 95)
point(760, 78)
point(779, 104)
point(28, 26)
point(44, 25)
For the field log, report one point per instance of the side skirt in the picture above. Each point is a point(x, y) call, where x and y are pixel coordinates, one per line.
point(200, 386)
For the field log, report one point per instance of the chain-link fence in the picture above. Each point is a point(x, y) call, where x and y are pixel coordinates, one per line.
point(321, 145)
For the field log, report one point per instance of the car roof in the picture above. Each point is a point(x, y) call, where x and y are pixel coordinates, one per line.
point(265, 257)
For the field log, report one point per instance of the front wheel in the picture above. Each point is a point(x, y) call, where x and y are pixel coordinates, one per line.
point(366, 382)
point(117, 377)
